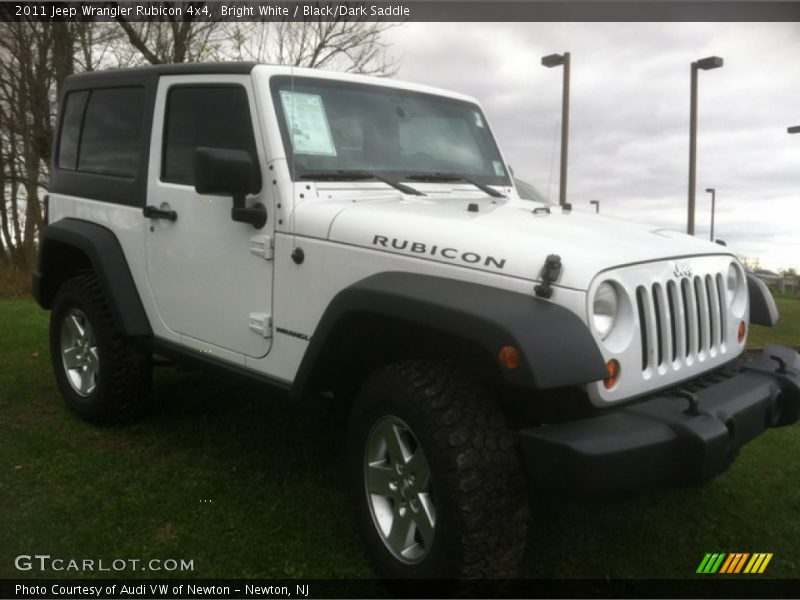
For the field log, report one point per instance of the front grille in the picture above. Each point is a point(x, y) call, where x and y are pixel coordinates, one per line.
point(681, 321)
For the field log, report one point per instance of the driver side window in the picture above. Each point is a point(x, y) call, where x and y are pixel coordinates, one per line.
point(204, 115)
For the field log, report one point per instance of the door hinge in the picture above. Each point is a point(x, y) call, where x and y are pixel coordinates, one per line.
point(261, 323)
point(261, 245)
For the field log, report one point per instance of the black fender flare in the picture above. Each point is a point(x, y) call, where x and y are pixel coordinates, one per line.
point(107, 259)
point(763, 310)
point(556, 347)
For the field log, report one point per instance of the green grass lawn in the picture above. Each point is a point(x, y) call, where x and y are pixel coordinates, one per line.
point(248, 487)
point(786, 332)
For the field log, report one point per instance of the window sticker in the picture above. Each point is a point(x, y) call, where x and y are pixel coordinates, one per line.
point(498, 168)
point(478, 120)
point(308, 123)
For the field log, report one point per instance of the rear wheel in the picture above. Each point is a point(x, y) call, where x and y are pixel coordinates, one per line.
point(102, 377)
point(435, 475)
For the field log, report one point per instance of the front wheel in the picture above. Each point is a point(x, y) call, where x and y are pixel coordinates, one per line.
point(436, 479)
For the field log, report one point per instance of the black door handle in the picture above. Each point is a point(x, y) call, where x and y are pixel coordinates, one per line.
point(153, 212)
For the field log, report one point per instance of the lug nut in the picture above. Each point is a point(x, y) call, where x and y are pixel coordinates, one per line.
point(393, 486)
point(415, 505)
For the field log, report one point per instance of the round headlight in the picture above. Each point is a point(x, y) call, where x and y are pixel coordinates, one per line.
point(736, 290)
point(605, 308)
point(731, 282)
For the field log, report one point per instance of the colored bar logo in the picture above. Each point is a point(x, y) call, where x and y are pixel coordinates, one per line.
point(734, 563)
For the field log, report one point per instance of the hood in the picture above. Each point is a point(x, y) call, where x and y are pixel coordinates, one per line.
point(506, 237)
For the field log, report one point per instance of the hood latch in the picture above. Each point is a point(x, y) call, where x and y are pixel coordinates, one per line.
point(549, 273)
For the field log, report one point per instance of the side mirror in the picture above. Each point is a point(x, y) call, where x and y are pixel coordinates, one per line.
point(225, 172)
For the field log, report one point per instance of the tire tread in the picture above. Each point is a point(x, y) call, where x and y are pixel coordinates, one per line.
point(471, 434)
point(126, 373)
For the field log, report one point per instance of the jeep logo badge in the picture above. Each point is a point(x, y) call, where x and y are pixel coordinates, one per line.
point(682, 269)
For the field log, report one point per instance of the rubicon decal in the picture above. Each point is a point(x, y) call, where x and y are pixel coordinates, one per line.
point(732, 563)
point(472, 258)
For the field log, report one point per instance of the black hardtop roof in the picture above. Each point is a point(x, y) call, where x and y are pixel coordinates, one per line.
point(119, 75)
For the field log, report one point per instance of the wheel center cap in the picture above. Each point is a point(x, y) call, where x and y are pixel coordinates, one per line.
point(406, 488)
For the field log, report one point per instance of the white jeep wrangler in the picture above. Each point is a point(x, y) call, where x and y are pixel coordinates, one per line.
point(323, 233)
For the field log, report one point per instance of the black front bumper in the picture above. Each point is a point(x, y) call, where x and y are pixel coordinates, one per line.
point(664, 439)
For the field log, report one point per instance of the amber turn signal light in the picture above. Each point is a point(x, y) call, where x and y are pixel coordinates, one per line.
point(742, 331)
point(614, 371)
point(509, 357)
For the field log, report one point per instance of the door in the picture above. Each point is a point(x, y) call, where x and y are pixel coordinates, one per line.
point(211, 277)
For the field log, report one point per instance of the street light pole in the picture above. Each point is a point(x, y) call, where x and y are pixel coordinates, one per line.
point(713, 193)
point(596, 205)
point(549, 61)
point(692, 150)
point(712, 62)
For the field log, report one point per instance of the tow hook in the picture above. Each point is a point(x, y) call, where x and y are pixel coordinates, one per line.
point(781, 364)
point(694, 403)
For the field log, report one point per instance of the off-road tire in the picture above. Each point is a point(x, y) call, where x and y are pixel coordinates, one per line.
point(478, 486)
point(124, 375)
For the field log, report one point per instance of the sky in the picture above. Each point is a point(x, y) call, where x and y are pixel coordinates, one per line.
point(629, 117)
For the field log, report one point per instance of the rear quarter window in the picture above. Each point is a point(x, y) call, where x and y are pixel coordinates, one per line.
point(74, 107)
point(101, 131)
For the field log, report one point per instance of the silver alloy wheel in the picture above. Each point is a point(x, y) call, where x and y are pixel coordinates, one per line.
point(79, 354)
point(399, 489)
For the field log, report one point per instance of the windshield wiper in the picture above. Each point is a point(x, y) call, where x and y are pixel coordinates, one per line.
point(445, 177)
point(341, 175)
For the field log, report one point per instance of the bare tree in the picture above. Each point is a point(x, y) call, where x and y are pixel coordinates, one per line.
point(30, 76)
point(751, 263)
point(176, 40)
point(102, 45)
point(354, 46)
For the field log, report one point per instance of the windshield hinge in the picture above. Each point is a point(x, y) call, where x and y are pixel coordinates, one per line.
point(261, 245)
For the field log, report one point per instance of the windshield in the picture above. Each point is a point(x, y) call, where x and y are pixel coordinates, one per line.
point(330, 126)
